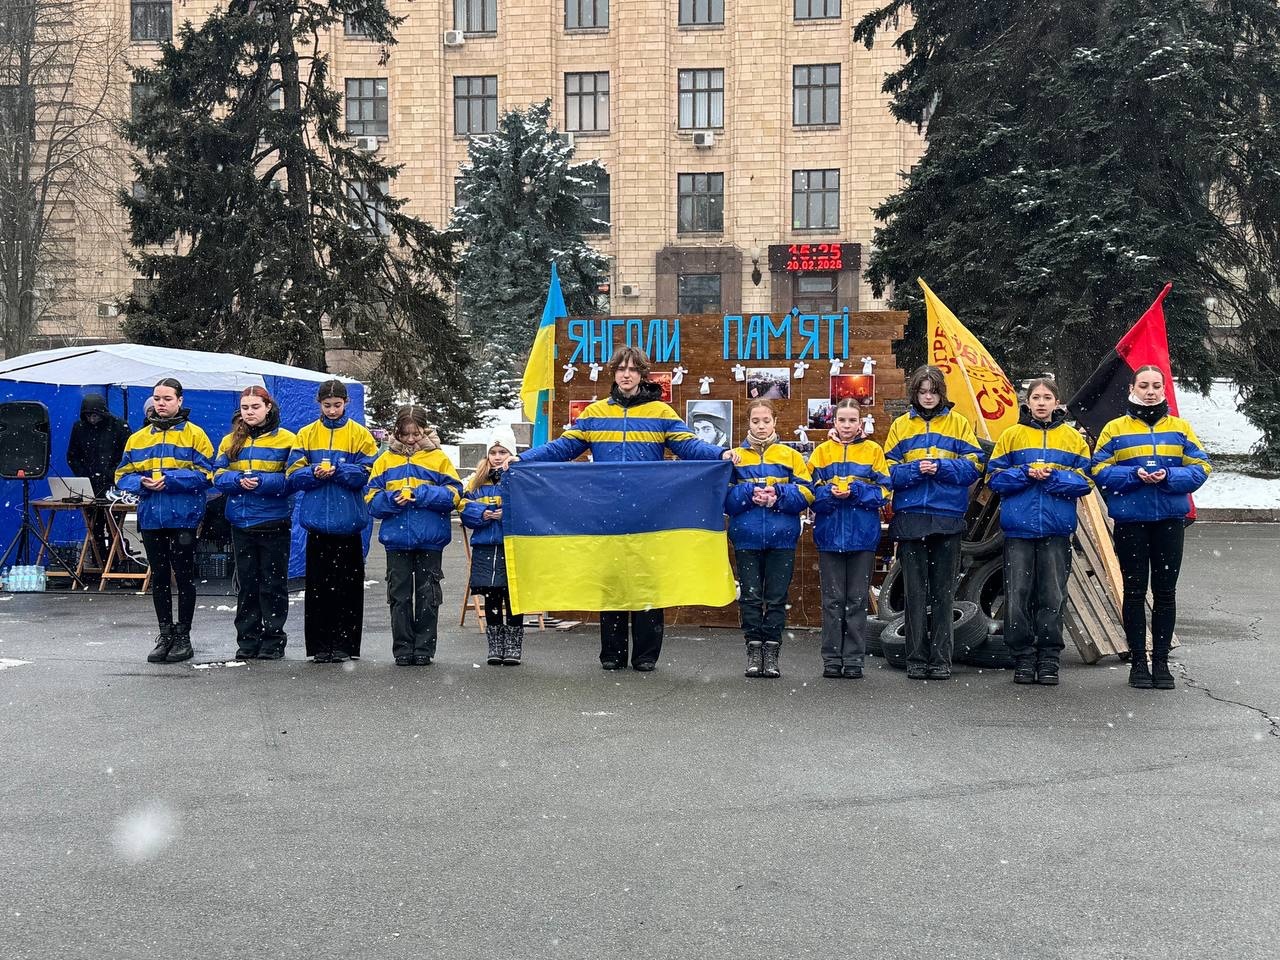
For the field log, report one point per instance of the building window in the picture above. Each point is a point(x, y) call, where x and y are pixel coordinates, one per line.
point(17, 108)
point(275, 99)
point(367, 107)
point(459, 185)
point(698, 293)
point(139, 190)
point(586, 101)
point(815, 293)
point(586, 14)
point(368, 198)
point(701, 208)
point(815, 94)
point(815, 199)
point(475, 16)
point(139, 95)
point(701, 99)
point(595, 198)
point(352, 27)
point(475, 104)
point(701, 12)
point(151, 20)
point(817, 9)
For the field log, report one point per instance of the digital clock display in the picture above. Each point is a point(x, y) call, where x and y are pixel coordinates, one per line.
point(814, 257)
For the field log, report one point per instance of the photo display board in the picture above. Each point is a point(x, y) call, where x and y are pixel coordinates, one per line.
point(711, 366)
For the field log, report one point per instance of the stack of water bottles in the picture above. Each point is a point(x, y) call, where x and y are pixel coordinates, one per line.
point(28, 579)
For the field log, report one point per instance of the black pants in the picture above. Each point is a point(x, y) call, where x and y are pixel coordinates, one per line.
point(1035, 590)
point(262, 605)
point(497, 603)
point(765, 576)
point(846, 578)
point(646, 635)
point(333, 617)
point(929, 569)
point(1150, 551)
point(413, 590)
point(171, 555)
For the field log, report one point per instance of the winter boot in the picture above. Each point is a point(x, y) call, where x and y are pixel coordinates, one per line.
point(1047, 673)
point(514, 648)
point(163, 642)
point(769, 666)
point(494, 634)
point(1024, 670)
point(755, 658)
point(181, 648)
point(1139, 672)
point(1161, 678)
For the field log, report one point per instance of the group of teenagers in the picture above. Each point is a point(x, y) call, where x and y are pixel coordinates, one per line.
point(1146, 463)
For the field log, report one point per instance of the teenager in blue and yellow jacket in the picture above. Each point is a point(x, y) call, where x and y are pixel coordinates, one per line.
point(414, 490)
point(167, 465)
point(250, 472)
point(632, 424)
point(1040, 469)
point(1146, 464)
point(769, 491)
point(330, 466)
point(851, 484)
point(933, 459)
point(482, 515)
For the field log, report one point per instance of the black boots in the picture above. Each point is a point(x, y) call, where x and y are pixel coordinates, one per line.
point(180, 649)
point(1047, 673)
point(1024, 670)
point(493, 634)
point(1161, 678)
point(769, 665)
point(513, 644)
point(1139, 672)
point(163, 642)
point(755, 658)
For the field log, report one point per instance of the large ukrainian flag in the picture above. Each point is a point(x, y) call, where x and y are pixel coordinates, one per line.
point(617, 536)
point(540, 371)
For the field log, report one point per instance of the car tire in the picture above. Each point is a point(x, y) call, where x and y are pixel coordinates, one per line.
point(893, 599)
point(984, 585)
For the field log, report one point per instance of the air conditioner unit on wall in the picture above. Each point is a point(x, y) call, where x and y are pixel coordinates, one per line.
point(704, 139)
point(366, 144)
point(629, 289)
point(454, 38)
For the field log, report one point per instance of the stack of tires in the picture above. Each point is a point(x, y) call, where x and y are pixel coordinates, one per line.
point(979, 608)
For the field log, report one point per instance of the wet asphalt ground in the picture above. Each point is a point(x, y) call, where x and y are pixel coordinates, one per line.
point(291, 809)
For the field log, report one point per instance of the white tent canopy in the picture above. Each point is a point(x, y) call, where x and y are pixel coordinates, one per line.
point(134, 365)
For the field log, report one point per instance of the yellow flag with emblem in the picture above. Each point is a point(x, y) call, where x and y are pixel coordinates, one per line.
point(975, 382)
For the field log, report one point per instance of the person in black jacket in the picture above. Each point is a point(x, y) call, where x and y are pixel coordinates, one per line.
point(94, 450)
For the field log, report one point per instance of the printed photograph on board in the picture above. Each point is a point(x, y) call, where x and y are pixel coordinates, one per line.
point(575, 409)
point(860, 386)
point(710, 420)
point(664, 381)
point(822, 414)
point(768, 383)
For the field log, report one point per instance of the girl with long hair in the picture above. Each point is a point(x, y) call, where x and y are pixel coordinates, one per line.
point(482, 514)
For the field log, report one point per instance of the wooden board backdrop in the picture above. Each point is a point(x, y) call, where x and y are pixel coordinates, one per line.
point(703, 343)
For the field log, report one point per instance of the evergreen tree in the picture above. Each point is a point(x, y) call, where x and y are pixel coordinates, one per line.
point(256, 220)
point(520, 208)
point(1071, 148)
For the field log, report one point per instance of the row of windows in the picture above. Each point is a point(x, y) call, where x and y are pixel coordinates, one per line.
point(153, 19)
point(701, 292)
point(815, 101)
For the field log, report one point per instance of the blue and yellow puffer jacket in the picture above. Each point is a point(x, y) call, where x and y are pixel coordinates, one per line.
point(487, 495)
point(267, 455)
point(335, 505)
point(1125, 445)
point(1030, 509)
point(947, 439)
point(182, 452)
point(848, 524)
point(639, 428)
point(753, 527)
point(423, 523)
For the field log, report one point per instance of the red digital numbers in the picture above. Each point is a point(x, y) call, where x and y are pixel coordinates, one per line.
point(806, 257)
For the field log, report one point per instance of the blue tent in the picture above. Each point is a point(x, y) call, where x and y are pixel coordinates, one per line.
point(124, 373)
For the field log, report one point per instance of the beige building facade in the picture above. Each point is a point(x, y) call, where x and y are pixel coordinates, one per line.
point(727, 127)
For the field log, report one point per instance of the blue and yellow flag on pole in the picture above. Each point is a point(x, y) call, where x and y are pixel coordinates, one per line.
point(617, 536)
point(540, 372)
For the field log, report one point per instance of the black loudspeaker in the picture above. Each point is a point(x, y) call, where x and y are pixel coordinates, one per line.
point(24, 440)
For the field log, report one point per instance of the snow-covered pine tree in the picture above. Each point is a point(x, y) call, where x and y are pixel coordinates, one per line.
point(520, 207)
point(1071, 149)
point(256, 220)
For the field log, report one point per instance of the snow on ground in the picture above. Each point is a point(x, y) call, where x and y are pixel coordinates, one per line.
point(1217, 420)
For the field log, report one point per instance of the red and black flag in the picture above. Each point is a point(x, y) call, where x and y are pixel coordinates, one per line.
point(1105, 394)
